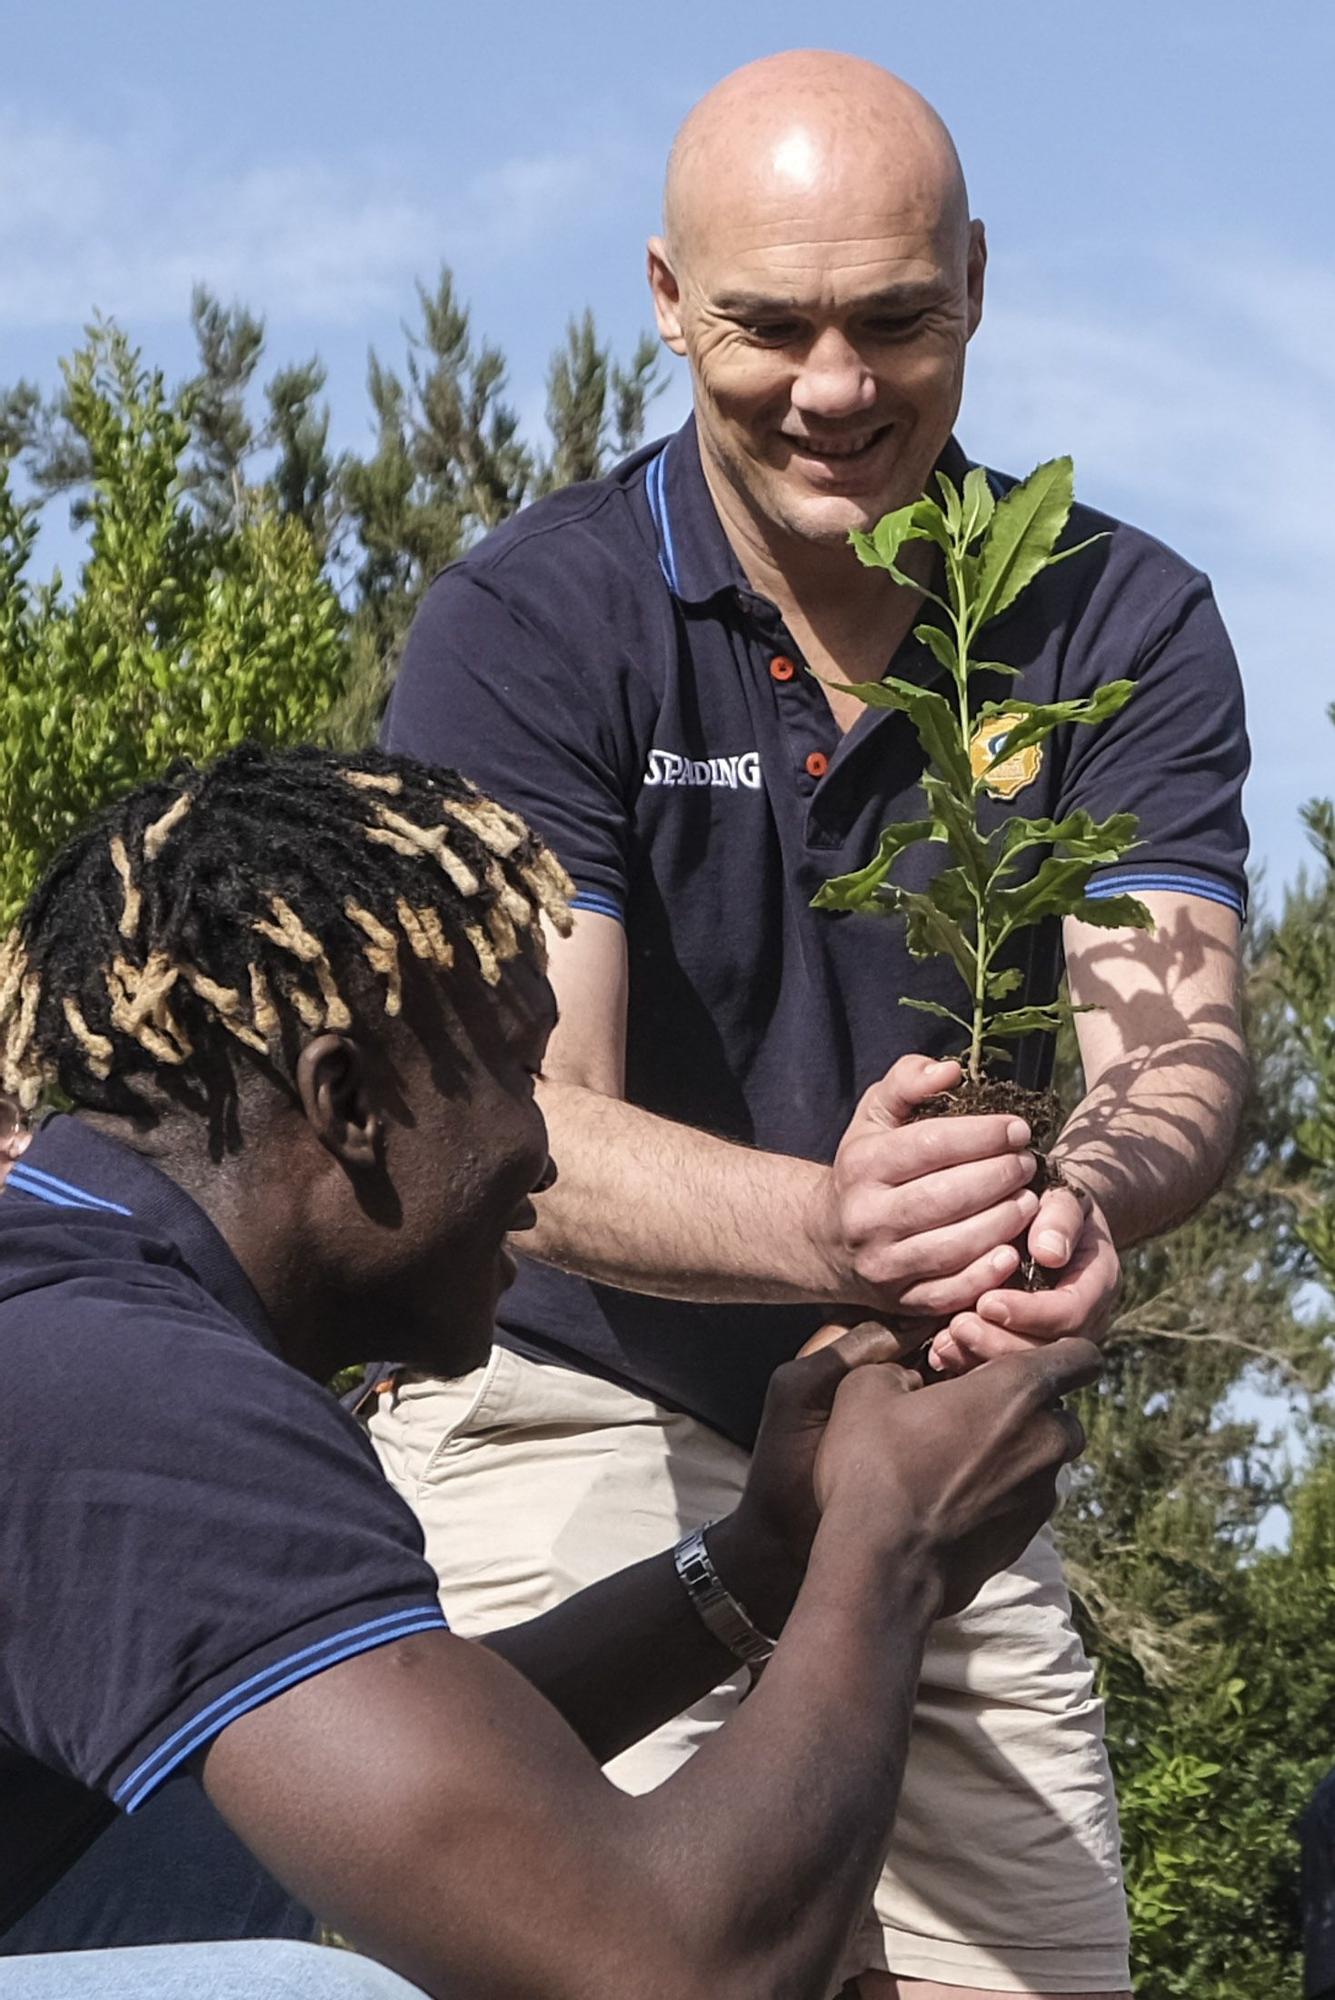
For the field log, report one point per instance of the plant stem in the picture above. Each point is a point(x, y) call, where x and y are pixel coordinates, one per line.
point(981, 948)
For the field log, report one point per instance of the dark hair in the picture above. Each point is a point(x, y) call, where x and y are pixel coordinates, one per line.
point(227, 907)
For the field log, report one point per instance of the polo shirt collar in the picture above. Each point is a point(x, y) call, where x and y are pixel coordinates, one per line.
point(694, 553)
point(70, 1165)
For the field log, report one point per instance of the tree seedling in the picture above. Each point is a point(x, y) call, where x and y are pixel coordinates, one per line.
point(988, 891)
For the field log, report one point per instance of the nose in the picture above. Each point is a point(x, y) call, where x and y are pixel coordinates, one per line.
point(833, 381)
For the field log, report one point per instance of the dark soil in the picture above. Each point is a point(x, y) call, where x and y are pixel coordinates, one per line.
point(1042, 1112)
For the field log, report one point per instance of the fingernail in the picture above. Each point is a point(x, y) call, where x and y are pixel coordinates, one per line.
point(1051, 1244)
point(1028, 1201)
point(999, 1314)
point(1002, 1262)
point(1017, 1132)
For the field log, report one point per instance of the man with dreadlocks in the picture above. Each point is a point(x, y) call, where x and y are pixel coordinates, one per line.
point(296, 1004)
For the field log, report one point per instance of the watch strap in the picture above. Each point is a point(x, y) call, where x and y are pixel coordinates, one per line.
point(715, 1604)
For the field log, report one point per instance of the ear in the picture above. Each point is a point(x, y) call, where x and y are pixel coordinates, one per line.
point(666, 294)
point(14, 1135)
point(334, 1088)
point(977, 271)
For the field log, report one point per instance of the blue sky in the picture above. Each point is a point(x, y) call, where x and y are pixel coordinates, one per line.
point(1156, 179)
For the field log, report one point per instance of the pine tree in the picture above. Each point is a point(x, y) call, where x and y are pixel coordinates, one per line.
point(581, 383)
point(449, 464)
point(230, 341)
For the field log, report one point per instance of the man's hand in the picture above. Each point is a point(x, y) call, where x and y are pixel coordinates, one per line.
point(761, 1549)
point(1070, 1234)
point(966, 1470)
point(920, 1219)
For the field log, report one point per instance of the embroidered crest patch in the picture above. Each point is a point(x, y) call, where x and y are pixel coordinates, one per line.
point(1012, 774)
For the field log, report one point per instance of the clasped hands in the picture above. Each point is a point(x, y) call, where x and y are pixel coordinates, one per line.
point(919, 1224)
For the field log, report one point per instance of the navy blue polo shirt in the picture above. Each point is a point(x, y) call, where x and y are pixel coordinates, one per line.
point(189, 1526)
point(601, 664)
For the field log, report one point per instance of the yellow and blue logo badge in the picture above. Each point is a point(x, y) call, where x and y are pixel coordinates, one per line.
point(1012, 774)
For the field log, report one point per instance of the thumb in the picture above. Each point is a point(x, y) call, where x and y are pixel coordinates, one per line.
point(864, 1338)
point(906, 1084)
point(806, 1388)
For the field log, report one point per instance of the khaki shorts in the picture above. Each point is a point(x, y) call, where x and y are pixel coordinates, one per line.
point(531, 1482)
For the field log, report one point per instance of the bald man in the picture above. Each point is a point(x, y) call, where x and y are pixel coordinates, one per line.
point(648, 668)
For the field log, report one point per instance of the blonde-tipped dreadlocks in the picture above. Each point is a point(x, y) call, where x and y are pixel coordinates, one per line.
point(238, 904)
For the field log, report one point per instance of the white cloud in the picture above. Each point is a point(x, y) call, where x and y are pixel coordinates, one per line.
point(1210, 422)
point(129, 228)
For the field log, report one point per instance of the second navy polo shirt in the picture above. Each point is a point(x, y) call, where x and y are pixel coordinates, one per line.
point(601, 664)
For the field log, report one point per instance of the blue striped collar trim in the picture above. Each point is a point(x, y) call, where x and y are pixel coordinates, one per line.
point(656, 493)
point(60, 1194)
point(710, 562)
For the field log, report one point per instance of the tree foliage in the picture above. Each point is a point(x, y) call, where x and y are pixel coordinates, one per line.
point(241, 577)
point(1216, 1647)
point(186, 633)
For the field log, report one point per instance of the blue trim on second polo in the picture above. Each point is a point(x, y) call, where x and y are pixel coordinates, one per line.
point(655, 490)
point(61, 1194)
point(1180, 881)
point(263, 1686)
point(599, 901)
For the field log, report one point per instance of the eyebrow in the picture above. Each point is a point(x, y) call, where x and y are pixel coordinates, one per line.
point(895, 298)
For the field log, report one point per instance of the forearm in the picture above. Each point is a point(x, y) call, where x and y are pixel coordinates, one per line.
point(624, 1656)
point(1151, 1140)
point(828, 1722)
point(651, 1206)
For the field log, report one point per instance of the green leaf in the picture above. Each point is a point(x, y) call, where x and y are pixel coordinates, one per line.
point(1058, 890)
point(922, 521)
point(1057, 886)
point(1033, 1020)
point(979, 504)
point(999, 984)
point(950, 503)
point(941, 646)
point(953, 892)
point(929, 931)
point(1042, 717)
point(932, 717)
point(856, 890)
point(935, 1007)
point(960, 829)
point(1098, 841)
point(1025, 528)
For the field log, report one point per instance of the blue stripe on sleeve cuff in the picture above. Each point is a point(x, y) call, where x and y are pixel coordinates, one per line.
point(144, 1780)
point(599, 901)
point(1183, 881)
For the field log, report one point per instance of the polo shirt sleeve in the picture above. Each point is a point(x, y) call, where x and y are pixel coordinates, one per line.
point(489, 687)
point(1176, 756)
point(190, 1527)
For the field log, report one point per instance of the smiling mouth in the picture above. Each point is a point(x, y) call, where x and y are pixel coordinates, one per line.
point(858, 444)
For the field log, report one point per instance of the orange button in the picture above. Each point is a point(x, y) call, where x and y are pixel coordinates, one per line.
point(781, 669)
point(817, 764)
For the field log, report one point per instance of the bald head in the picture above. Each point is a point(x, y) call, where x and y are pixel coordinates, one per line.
point(821, 139)
point(821, 276)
